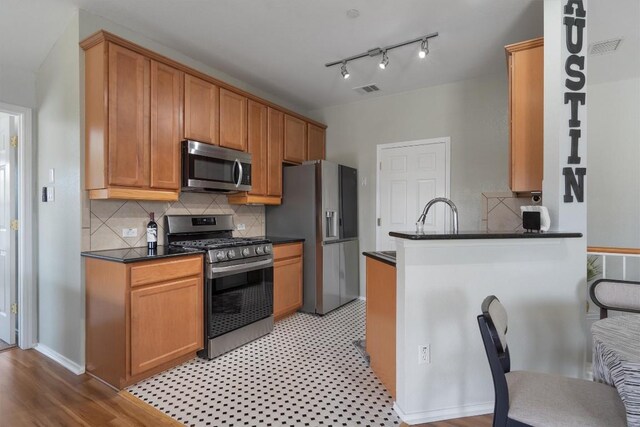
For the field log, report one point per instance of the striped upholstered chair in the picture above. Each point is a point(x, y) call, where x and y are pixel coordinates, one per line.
point(616, 295)
point(535, 399)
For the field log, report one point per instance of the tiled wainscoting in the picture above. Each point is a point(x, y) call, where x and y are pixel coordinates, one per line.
point(501, 211)
point(107, 218)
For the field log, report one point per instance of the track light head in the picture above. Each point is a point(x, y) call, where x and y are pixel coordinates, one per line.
point(344, 71)
point(385, 60)
point(424, 49)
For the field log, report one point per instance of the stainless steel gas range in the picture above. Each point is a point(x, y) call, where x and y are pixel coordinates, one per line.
point(238, 291)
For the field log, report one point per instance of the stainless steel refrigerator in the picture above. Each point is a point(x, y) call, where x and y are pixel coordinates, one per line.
point(320, 203)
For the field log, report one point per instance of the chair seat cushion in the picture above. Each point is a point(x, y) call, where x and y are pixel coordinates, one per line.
point(551, 400)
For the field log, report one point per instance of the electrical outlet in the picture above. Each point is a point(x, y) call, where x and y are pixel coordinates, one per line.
point(240, 227)
point(424, 354)
point(51, 195)
point(129, 232)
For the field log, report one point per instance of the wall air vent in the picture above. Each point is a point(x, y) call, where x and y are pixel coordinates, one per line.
point(605, 46)
point(363, 90)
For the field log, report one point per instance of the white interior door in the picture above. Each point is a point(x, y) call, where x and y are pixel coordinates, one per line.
point(408, 177)
point(8, 237)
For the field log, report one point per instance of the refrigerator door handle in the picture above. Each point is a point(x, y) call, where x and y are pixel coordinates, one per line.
point(331, 224)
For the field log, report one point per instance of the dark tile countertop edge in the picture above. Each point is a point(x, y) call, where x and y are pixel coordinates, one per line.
point(378, 256)
point(128, 255)
point(471, 235)
point(280, 240)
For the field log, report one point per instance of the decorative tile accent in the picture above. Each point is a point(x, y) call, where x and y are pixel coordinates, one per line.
point(107, 218)
point(501, 211)
point(307, 372)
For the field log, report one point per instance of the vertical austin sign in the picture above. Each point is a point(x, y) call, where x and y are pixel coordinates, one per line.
point(575, 97)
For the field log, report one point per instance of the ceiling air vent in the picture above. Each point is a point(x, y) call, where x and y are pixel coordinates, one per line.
point(363, 90)
point(605, 46)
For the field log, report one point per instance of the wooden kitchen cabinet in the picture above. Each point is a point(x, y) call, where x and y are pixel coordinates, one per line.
point(265, 145)
point(525, 62)
point(142, 317)
point(201, 106)
point(315, 142)
point(131, 107)
point(166, 126)
point(233, 120)
point(295, 139)
point(381, 321)
point(287, 279)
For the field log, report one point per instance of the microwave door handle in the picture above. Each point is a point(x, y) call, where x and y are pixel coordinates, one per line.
point(239, 181)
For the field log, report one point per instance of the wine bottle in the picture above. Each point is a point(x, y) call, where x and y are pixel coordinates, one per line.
point(152, 233)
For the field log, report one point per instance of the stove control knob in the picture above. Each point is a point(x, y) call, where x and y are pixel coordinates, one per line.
point(220, 256)
point(246, 252)
point(231, 254)
point(259, 250)
point(267, 249)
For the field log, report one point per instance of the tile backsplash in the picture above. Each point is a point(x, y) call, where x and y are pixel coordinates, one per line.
point(501, 211)
point(109, 217)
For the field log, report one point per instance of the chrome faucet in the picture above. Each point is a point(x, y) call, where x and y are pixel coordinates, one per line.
point(454, 211)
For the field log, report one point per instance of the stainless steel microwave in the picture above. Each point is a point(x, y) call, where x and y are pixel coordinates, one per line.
point(209, 168)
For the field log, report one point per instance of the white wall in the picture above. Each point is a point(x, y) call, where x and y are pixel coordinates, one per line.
point(17, 86)
point(614, 164)
point(472, 112)
point(60, 291)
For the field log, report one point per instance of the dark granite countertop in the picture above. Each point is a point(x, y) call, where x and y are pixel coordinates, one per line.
point(462, 235)
point(140, 254)
point(280, 240)
point(388, 257)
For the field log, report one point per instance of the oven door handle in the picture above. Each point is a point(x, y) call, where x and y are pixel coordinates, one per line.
point(240, 268)
point(239, 165)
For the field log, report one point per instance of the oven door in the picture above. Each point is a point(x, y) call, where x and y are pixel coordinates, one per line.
point(208, 167)
point(239, 298)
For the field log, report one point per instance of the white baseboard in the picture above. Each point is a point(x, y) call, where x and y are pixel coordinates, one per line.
point(62, 360)
point(588, 371)
point(362, 298)
point(444, 414)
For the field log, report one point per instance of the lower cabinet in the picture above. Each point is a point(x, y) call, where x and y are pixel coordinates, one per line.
point(142, 317)
point(287, 279)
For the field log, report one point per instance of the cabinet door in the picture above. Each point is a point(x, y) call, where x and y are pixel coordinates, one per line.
point(316, 143)
point(287, 286)
point(295, 139)
point(257, 136)
point(274, 153)
point(233, 120)
point(128, 118)
point(166, 322)
point(166, 129)
point(200, 110)
point(527, 111)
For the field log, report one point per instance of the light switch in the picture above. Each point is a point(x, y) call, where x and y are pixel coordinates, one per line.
point(52, 176)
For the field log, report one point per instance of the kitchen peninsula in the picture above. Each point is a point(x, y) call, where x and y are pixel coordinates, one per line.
point(441, 280)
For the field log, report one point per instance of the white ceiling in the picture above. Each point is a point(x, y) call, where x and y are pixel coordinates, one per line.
point(281, 46)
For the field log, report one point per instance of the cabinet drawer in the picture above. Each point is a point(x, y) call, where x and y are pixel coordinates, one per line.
point(160, 271)
point(287, 251)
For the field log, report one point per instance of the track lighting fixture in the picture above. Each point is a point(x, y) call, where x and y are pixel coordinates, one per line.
point(344, 71)
point(424, 49)
point(384, 62)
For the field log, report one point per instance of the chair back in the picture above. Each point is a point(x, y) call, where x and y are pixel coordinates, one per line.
point(493, 329)
point(617, 295)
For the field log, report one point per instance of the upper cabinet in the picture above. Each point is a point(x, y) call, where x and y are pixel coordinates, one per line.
point(132, 106)
point(140, 106)
point(166, 125)
point(315, 142)
point(526, 107)
point(201, 106)
point(295, 139)
point(233, 120)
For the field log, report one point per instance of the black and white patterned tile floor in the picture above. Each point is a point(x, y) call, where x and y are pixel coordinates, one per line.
point(306, 373)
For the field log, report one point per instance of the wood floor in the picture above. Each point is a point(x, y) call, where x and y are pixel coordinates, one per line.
point(35, 391)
